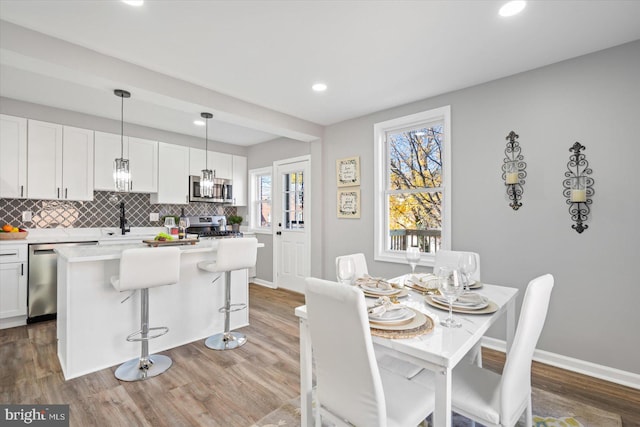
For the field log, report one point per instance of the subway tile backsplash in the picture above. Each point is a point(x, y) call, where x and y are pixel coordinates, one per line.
point(103, 211)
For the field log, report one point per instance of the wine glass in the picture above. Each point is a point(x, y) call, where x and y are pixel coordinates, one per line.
point(346, 270)
point(467, 266)
point(450, 288)
point(413, 257)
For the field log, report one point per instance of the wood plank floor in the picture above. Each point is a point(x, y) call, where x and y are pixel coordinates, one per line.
point(212, 388)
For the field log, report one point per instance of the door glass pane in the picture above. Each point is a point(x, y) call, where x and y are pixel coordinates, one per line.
point(293, 200)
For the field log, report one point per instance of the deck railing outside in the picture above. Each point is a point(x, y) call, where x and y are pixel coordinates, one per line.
point(426, 240)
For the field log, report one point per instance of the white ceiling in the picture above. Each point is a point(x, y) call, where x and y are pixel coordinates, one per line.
point(261, 57)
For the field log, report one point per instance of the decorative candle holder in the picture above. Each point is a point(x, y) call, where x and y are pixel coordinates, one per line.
point(578, 187)
point(513, 170)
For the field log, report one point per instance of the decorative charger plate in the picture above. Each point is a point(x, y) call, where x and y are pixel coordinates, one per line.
point(379, 291)
point(492, 307)
point(419, 325)
point(482, 302)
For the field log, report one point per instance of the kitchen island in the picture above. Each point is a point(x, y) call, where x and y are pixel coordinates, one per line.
point(93, 320)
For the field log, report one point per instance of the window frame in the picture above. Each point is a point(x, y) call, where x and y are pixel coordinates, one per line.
point(254, 176)
point(381, 185)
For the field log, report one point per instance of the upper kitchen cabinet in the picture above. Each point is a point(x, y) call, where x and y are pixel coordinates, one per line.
point(13, 160)
point(173, 175)
point(59, 162)
point(239, 181)
point(220, 163)
point(143, 162)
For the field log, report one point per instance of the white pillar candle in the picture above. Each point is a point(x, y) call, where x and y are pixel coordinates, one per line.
point(578, 196)
point(512, 178)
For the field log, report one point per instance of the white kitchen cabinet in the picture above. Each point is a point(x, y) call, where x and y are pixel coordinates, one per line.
point(143, 162)
point(13, 157)
point(59, 162)
point(239, 181)
point(13, 280)
point(173, 174)
point(107, 149)
point(221, 164)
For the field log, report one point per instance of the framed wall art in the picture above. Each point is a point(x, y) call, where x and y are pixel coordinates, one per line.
point(349, 202)
point(348, 171)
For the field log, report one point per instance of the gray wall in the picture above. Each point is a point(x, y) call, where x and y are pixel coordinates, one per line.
point(594, 99)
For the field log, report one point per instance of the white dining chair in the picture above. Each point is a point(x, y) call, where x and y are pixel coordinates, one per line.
point(445, 258)
point(351, 389)
point(500, 400)
point(359, 261)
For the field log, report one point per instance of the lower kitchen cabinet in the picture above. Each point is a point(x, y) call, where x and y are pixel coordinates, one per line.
point(13, 281)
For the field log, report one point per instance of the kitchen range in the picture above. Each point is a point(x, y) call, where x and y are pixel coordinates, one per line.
point(210, 226)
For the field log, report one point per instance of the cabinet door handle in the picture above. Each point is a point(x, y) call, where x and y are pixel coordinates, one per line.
point(58, 190)
point(10, 254)
point(130, 185)
point(65, 193)
point(22, 269)
point(22, 191)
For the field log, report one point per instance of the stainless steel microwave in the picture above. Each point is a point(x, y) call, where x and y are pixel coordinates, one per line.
point(222, 191)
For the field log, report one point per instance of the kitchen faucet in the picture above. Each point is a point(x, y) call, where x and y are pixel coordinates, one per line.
point(123, 220)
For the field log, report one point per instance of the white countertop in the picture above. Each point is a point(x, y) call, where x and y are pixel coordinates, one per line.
point(114, 251)
point(59, 235)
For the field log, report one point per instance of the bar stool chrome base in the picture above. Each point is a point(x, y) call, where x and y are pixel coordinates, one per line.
point(138, 369)
point(226, 341)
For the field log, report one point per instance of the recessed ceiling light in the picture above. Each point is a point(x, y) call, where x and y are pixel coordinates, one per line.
point(319, 87)
point(199, 122)
point(512, 8)
point(133, 2)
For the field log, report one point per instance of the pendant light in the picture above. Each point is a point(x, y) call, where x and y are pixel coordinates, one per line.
point(121, 174)
point(206, 180)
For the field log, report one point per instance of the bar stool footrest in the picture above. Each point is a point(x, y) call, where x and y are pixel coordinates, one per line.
point(233, 307)
point(163, 330)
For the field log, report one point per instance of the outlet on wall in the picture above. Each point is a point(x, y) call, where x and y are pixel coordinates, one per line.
point(26, 216)
point(154, 216)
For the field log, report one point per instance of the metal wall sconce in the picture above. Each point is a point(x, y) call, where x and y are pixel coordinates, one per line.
point(578, 187)
point(513, 170)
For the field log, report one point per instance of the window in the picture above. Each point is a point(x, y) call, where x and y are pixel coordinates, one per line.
point(412, 185)
point(260, 200)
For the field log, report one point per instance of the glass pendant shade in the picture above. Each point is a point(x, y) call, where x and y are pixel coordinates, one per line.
point(206, 183)
point(121, 174)
point(206, 180)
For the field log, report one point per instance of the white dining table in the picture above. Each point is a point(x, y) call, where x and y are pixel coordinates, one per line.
point(439, 350)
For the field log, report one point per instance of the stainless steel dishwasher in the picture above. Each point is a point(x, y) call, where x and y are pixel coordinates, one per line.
point(42, 298)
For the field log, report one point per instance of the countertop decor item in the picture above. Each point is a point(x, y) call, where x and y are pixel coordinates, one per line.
point(14, 235)
point(578, 187)
point(513, 170)
point(234, 221)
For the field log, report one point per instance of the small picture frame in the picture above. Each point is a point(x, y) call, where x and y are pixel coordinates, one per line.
point(349, 202)
point(348, 171)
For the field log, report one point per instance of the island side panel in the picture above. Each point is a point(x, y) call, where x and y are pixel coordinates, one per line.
point(95, 322)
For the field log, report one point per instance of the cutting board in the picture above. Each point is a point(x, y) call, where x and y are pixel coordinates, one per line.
point(156, 243)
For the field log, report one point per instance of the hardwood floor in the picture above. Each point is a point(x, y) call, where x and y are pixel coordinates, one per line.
point(212, 388)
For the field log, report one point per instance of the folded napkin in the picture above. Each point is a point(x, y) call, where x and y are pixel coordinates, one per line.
point(373, 282)
point(382, 305)
point(427, 281)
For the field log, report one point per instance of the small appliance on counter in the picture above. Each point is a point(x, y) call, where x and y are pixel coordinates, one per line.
point(210, 226)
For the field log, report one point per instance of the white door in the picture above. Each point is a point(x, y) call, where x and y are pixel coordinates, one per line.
point(292, 253)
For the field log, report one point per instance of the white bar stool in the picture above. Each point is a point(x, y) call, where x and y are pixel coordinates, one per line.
point(233, 254)
point(144, 268)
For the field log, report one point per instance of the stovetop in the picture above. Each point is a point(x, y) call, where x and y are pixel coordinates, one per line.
point(209, 226)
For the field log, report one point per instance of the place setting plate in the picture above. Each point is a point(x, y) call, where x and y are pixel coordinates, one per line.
point(483, 306)
point(396, 316)
point(415, 324)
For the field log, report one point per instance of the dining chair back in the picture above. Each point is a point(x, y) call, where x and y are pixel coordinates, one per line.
point(351, 389)
point(500, 400)
point(445, 258)
point(360, 263)
point(515, 390)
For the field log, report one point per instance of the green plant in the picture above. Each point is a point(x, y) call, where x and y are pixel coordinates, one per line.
point(234, 219)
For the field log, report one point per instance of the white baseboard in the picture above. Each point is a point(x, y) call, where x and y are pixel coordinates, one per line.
point(12, 322)
point(628, 379)
point(263, 283)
